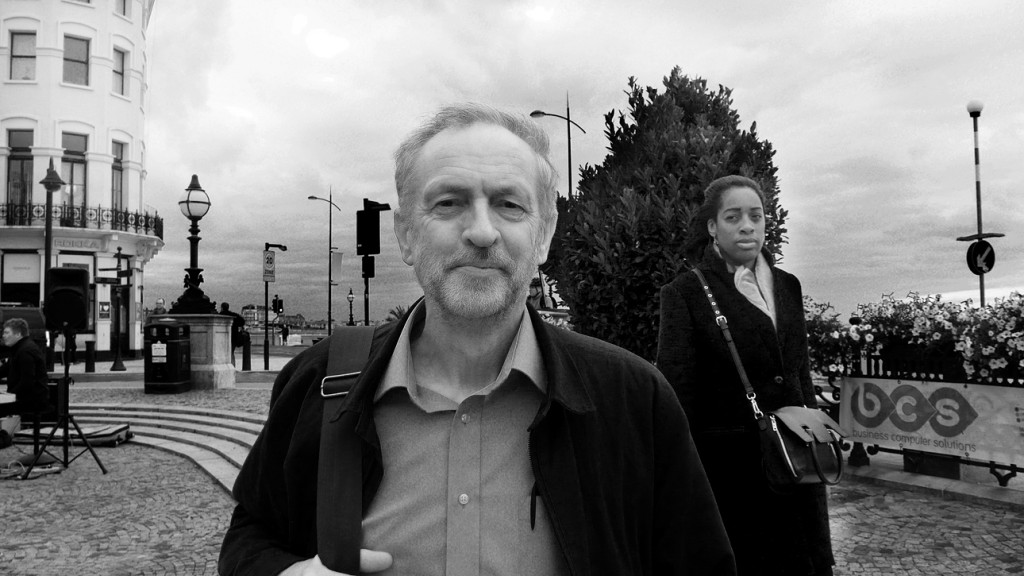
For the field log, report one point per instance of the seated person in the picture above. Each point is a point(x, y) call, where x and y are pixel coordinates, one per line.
point(25, 371)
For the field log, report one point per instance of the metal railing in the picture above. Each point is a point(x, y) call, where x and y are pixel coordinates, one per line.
point(80, 216)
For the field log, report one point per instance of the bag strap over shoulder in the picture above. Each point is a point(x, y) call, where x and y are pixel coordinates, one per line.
point(340, 488)
point(723, 323)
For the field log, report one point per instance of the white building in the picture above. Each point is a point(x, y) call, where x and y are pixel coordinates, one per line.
point(73, 91)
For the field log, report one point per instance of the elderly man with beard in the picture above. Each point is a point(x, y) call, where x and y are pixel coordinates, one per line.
point(489, 441)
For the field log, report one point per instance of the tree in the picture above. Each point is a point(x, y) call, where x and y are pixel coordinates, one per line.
point(396, 314)
point(621, 237)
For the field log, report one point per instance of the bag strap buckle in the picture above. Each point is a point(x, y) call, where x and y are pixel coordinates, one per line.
point(337, 385)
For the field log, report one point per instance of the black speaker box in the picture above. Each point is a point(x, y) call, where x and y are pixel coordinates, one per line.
point(67, 298)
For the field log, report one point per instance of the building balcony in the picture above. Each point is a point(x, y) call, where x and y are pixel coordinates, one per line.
point(82, 217)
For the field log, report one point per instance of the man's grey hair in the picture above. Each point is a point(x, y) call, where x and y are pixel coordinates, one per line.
point(463, 116)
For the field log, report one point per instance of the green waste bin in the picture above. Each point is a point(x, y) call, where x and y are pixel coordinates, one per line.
point(168, 365)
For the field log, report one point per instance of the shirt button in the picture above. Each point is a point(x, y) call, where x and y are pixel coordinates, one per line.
point(778, 379)
point(465, 418)
point(464, 499)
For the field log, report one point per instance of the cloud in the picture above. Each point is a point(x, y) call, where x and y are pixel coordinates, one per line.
point(863, 101)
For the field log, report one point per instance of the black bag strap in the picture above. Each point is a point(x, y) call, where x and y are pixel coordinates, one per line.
point(340, 489)
point(723, 323)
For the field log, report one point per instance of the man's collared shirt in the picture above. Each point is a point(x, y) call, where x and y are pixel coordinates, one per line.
point(457, 494)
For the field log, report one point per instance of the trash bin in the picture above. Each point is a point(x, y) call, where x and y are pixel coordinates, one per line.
point(168, 364)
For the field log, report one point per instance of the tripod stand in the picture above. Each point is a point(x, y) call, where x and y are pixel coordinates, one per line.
point(64, 419)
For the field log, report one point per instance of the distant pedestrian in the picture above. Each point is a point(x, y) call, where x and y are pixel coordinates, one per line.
point(239, 336)
point(284, 335)
point(25, 371)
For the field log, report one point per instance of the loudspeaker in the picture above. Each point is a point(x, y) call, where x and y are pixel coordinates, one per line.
point(67, 299)
point(367, 232)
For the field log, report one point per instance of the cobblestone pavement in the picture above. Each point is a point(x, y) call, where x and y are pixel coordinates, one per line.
point(157, 514)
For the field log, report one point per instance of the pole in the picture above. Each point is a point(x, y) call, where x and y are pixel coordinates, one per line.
point(977, 193)
point(266, 325)
point(330, 255)
point(366, 299)
point(118, 365)
point(568, 141)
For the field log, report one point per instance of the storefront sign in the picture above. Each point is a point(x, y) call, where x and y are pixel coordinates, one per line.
point(76, 243)
point(973, 421)
point(104, 310)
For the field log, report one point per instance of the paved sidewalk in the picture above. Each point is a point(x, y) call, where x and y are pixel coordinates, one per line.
point(157, 514)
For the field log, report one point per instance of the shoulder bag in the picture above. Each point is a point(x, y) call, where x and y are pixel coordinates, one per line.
point(799, 445)
point(339, 532)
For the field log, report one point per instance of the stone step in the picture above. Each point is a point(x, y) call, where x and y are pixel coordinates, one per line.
point(172, 409)
point(180, 420)
point(217, 441)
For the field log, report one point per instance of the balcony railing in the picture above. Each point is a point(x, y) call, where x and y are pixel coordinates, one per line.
point(94, 218)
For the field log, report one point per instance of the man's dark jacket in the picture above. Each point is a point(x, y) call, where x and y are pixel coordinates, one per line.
point(610, 448)
point(26, 376)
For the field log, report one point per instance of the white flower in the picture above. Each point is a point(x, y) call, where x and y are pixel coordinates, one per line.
point(869, 337)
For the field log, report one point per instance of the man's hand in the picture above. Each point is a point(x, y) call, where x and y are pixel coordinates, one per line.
point(370, 561)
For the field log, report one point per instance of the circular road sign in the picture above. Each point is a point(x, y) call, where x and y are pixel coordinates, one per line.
point(981, 257)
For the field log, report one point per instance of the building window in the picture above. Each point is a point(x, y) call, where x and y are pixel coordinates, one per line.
point(121, 6)
point(117, 196)
point(72, 171)
point(23, 55)
point(120, 59)
point(19, 177)
point(76, 61)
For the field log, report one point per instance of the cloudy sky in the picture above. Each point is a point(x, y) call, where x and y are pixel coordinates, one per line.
point(269, 102)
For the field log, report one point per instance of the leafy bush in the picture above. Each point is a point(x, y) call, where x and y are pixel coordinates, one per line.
point(621, 237)
point(987, 344)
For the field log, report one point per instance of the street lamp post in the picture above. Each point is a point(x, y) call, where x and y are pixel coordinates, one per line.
point(266, 307)
point(330, 249)
point(569, 123)
point(52, 183)
point(351, 298)
point(194, 204)
point(974, 108)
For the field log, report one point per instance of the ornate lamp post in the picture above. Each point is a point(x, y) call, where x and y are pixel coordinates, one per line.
point(52, 183)
point(351, 297)
point(568, 134)
point(194, 204)
point(330, 249)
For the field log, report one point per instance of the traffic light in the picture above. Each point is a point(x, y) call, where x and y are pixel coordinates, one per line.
point(277, 305)
point(368, 227)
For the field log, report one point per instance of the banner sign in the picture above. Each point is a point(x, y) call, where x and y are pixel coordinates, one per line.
point(971, 421)
point(269, 265)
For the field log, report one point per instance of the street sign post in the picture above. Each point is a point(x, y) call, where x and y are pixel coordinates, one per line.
point(981, 257)
point(269, 265)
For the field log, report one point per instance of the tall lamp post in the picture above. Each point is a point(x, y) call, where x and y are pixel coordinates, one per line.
point(980, 256)
point(569, 123)
point(330, 249)
point(52, 183)
point(351, 298)
point(267, 279)
point(194, 204)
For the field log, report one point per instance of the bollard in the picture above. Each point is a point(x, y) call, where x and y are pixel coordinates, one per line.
point(90, 356)
point(246, 356)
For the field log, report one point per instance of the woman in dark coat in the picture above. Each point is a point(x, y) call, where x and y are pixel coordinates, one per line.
point(771, 533)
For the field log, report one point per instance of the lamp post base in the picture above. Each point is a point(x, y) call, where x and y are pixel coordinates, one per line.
point(193, 301)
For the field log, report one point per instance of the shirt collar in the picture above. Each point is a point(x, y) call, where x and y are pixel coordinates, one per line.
point(523, 356)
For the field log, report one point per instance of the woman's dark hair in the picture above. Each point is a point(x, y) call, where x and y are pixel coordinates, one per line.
point(697, 237)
